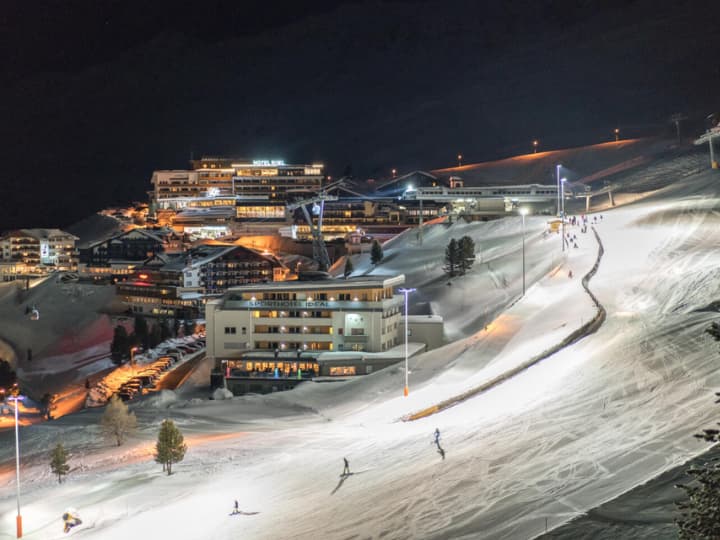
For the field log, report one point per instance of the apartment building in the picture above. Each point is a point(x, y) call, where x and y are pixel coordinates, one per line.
point(40, 249)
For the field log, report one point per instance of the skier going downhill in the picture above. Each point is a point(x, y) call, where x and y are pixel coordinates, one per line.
point(346, 469)
point(437, 436)
point(71, 519)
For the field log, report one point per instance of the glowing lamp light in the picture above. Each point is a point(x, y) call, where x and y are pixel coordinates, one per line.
point(253, 298)
point(355, 299)
point(143, 276)
point(309, 299)
point(332, 298)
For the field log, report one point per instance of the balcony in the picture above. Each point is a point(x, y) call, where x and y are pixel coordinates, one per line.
point(356, 339)
point(295, 338)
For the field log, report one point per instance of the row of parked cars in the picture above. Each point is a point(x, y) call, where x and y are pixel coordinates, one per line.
point(164, 357)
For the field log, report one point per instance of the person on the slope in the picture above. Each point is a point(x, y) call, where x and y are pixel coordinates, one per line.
point(346, 469)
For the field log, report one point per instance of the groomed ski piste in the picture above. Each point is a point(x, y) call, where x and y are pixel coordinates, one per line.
point(580, 427)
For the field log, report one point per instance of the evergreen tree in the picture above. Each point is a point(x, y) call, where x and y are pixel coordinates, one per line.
point(47, 405)
point(714, 331)
point(349, 268)
point(120, 346)
point(155, 337)
point(188, 328)
point(376, 253)
point(466, 247)
point(58, 462)
point(8, 377)
point(170, 447)
point(141, 332)
point(118, 422)
point(452, 258)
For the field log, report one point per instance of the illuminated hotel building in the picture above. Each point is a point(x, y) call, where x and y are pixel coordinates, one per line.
point(38, 248)
point(270, 180)
point(356, 314)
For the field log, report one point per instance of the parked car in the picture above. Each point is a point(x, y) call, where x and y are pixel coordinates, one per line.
point(147, 381)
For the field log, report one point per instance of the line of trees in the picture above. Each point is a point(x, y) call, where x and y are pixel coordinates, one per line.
point(459, 256)
point(145, 336)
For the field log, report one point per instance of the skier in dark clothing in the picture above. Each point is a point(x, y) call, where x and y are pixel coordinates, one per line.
point(346, 469)
point(237, 508)
point(437, 436)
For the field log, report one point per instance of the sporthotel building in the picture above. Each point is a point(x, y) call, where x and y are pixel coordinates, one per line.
point(356, 314)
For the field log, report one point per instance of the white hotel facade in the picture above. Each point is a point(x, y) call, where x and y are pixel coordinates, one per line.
point(356, 314)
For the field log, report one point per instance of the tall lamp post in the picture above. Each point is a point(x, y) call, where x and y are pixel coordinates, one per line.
point(15, 393)
point(523, 213)
point(132, 357)
point(459, 160)
point(557, 174)
point(406, 292)
point(562, 210)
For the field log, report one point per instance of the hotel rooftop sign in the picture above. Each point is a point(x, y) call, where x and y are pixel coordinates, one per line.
point(270, 162)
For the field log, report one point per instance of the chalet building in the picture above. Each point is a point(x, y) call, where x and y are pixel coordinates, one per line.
point(119, 255)
point(38, 250)
point(177, 286)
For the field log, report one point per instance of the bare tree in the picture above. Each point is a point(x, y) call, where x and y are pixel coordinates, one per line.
point(118, 422)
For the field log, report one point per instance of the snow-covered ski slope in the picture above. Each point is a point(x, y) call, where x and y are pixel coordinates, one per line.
point(579, 428)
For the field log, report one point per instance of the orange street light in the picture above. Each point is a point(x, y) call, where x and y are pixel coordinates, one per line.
point(132, 357)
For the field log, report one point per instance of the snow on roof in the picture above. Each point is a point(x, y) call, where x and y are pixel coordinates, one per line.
point(425, 319)
point(350, 283)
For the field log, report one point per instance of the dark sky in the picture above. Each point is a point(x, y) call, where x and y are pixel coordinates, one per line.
point(96, 95)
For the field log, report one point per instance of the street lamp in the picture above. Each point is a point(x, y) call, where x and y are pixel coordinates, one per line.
point(562, 211)
point(459, 160)
point(132, 357)
point(557, 170)
point(617, 134)
point(523, 213)
point(15, 395)
point(394, 173)
point(406, 292)
point(535, 146)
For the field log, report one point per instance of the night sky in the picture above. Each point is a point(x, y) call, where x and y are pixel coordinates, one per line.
point(96, 95)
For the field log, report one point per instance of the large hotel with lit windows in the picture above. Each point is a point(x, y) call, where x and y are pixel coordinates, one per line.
point(255, 188)
point(355, 314)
